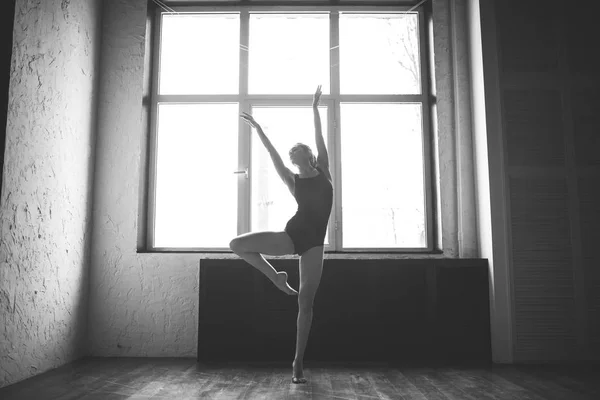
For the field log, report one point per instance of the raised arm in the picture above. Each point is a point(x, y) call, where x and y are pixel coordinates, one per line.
point(286, 175)
point(323, 156)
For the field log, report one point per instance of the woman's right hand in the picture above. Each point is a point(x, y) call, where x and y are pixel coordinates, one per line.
point(317, 97)
point(249, 119)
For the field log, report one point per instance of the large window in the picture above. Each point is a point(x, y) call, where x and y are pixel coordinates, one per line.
point(210, 177)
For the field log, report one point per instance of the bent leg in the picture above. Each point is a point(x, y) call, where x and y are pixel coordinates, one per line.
point(311, 268)
point(252, 246)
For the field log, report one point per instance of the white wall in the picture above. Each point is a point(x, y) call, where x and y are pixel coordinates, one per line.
point(146, 304)
point(46, 198)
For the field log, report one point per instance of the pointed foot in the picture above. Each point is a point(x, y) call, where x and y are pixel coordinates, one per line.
point(282, 284)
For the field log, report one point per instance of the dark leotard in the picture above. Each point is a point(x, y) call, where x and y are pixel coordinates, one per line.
point(308, 226)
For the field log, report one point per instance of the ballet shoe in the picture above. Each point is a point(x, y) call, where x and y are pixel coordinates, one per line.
point(298, 380)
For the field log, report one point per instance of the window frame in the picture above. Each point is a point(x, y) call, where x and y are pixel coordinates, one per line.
point(332, 101)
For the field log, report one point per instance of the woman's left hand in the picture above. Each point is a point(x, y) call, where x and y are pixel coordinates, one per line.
point(317, 97)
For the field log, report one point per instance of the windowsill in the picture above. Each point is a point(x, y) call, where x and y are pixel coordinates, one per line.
point(337, 255)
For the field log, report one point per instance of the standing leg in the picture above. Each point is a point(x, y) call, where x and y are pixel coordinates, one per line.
point(311, 268)
point(252, 246)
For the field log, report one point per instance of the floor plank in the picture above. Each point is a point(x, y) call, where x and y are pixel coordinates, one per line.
point(446, 385)
point(227, 384)
point(341, 384)
point(475, 386)
point(405, 388)
point(384, 388)
point(507, 386)
point(362, 386)
point(185, 379)
point(579, 379)
point(543, 387)
point(418, 377)
point(321, 383)
point(93, 376)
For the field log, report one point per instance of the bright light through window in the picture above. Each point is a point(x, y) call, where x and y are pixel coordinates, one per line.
point(288, 53)
point(382, 179)
point(373, 115)
point(379, 54)
point(196, 190)
point(200, 54)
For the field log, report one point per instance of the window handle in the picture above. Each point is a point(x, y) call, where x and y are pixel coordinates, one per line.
point(244, 171)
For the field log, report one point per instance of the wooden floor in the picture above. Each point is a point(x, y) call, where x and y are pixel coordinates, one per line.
point(152, 378)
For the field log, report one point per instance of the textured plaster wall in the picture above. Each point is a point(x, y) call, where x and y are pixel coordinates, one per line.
point(444, 129)
point(141, 304)
point(465, 175)
point(147, 304)
point(454, 167)
point(45, 209)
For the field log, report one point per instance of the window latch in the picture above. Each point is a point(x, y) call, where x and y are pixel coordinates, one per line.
point(244, 171)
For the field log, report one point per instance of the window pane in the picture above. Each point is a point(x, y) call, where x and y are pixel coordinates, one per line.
point(200, 54)
point(272, 203)
point(196, 190)
point(379, 54)
point(288, 53)
point(382, 176)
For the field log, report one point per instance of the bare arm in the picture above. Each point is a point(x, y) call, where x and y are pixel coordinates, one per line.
point(286, 175)
point(323, 156)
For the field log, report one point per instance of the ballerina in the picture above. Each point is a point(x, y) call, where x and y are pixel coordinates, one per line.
point(304, 234)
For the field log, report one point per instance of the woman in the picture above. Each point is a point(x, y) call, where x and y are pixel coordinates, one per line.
point(304, 233)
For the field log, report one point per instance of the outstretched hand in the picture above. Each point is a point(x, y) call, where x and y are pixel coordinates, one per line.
point(317, 96)
point(249, 119)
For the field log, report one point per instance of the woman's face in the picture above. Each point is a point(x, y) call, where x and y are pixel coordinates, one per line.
point(300, 155)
